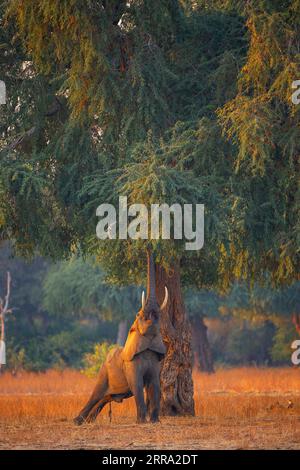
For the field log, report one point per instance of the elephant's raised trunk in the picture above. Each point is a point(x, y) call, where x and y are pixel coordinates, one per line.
point(151, 295)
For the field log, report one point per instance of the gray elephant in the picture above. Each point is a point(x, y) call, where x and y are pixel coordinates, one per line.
point(127, 371)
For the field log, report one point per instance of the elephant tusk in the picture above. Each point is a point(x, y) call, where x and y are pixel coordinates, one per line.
point(163, 305)
point(143, 300)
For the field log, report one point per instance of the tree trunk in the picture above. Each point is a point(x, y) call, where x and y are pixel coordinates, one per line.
point(202, 353)
point(122, 332)
point(2, 338)
point(176, 374)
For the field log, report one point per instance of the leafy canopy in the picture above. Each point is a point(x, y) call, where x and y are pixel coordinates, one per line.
point(181, 100)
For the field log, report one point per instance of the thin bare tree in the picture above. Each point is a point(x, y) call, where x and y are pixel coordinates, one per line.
point(4, 304)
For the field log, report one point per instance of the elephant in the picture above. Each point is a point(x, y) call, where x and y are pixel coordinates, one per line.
point(128, 370)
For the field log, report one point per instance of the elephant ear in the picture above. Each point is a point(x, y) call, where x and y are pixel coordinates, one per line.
point(135, 344)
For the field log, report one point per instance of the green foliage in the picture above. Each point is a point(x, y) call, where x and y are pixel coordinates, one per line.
point(36, 339)
point(73, 287)
point(263, 124)
point(281, 350)
point(93, 361)
point(250, 345)
point(203, 303)
point(79, 289)
point(62, 348)
point(16, 360)
point(258, 304)
point(119, 80)
point(87, 46)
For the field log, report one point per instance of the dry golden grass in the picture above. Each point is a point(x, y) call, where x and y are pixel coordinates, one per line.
point(235, 408)
point(50, 382)
point(250, 380)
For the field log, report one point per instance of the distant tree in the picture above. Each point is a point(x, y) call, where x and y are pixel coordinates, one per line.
point(200, 305)
point(26, 286)
point(4, 310)
point(36, 338)
point(261, 305)
point(78, 288)
point(27, 318)
point(257, 303)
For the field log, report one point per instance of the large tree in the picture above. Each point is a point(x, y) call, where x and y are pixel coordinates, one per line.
point(129, 98)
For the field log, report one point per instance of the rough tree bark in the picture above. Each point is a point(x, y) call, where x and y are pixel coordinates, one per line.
point(122, 332)
point(203, 359)
point(176, 374)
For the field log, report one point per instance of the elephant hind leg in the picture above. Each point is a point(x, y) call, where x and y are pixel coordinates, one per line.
point(98, 408)
point(101, 404)
point(98, 394)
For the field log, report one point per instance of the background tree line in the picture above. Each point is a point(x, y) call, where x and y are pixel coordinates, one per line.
point(62, 311)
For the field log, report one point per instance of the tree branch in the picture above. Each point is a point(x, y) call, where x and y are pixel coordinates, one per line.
point(5, 309)
point(53, 109)
point(21, 139)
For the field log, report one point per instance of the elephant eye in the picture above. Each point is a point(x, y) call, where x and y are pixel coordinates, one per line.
point(153, 316)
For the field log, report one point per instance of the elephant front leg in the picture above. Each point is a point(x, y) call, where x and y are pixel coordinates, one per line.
point(153, 399)
point(141, 409)
point(136, 384)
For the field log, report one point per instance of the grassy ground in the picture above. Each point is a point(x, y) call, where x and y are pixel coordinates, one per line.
point(242, 408)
